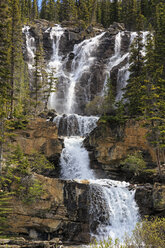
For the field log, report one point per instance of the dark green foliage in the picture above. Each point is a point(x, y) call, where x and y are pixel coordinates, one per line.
point(133, 90)
point(134, 163)
point(5, 209)
point(17, 175)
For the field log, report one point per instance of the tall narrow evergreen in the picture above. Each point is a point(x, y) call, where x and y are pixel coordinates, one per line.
point(51, 10)
point(4, 72)
point(68, 10)
point(133, 90)
point(15, 48)
point(44, 11)
point(35, 9)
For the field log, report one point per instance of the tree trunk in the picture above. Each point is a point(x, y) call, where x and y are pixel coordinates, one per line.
point(1, 143)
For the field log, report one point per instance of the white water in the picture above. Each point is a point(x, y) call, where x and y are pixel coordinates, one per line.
point(116, 59)
point(74, 124)
point(113, 209)
point(55, 63)
point(82, 62)
point(30, 46)
point(75, 160)
point(119, 212)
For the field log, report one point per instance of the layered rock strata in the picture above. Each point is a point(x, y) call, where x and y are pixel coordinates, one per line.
point(61, 212)
point(39, 136)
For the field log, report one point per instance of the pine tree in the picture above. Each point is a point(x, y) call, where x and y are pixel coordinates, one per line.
point(34, 9)
point(51, 10)
point(68, 10)
point(44, 10)
point(29, 8)
point(37, 85)
point(133, 90)
point(5, 209)
point(15, 48)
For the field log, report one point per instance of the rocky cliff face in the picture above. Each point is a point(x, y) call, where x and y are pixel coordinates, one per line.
point(40, 136)
point(84, 56)
point(61, 212)
point(109, 145)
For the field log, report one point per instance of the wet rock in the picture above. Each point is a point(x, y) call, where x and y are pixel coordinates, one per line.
point(71, 56)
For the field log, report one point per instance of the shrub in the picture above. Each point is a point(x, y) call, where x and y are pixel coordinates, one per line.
point(148, 234)
point(134, 163)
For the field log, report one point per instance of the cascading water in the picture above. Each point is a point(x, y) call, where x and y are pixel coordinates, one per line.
point(113, 210)
point(30, 46)
point(116, 59)
point(56, 60)
point(82, 62)
point(64, 100)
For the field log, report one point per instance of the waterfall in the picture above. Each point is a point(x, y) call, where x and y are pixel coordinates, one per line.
point(55, 63)
point(116, 59)
point(64, 100)
point(30, 46)
point(75, 160)
point(113, 210)
point(82, 62)
point(74, 124)
point(117, 213)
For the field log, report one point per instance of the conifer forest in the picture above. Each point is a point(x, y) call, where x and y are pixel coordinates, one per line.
point(82, 123)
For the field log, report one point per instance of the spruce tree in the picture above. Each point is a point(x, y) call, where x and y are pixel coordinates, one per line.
point(133, 90)
point(4, 72)
point(51, 10)
point(44, 10)
point(68, 10)
point(35, 9)
point(15, 36)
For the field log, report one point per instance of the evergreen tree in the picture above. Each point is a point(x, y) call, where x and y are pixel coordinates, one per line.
point(5, 209)
point(29, 8)
point(44, 10)
point(15, 48)
point(51, 10)
point(4, 72)
point(133, 90)
point(35, 9)
point(37, 85)
point(68, 10)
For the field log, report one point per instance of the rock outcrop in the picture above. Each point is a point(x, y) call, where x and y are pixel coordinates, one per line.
point(151, 199)
point(61, 212)
point(108, 146)
point(39, 136)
